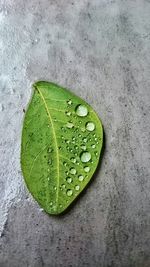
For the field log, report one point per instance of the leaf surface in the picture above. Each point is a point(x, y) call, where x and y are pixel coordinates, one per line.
point(61, 143)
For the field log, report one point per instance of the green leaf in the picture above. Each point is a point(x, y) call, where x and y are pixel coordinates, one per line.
point(61, 143)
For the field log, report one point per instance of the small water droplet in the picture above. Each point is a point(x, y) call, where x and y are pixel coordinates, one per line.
point(49, 161)
point(55, 188)
point(62, 128)
point(51, 203)
point(60, 206)
point(68, 113)
point(69, 180)
point(59, 147)
point(69, 102)
point(77, 187)
point(81, 110)
point(90, 126)
point(73, 160)
point(73, 139)
point(48, 170)
point(67, 141)
point(76, 147)
point(73, 171)
point(67, 172)
point(79, 135)
point(63, 186)
point(49, 150)
point(67, 147)
point(96, 153)
point(84, 139)
point(93, 146)
point(65, 163)
point(80, 122)
point(95, 138)
point(86, 169)
point(69, 192)
point(85, 156)
point(83, 147)
point(48, 178)
point(69, 125)
point(81, 178)
point(83, 129)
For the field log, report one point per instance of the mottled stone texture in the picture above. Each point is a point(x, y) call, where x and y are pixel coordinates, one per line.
point(101, 50)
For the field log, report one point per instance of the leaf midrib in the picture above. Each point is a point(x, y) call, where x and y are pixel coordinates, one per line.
point(55, 141)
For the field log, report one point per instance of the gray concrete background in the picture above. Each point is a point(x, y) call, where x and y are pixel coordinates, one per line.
point(101, 50)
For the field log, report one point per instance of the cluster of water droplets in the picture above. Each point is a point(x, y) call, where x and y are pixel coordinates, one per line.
point(78, 144)
point(82, 138)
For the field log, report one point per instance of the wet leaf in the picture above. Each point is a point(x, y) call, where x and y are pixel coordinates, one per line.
point(61, 143)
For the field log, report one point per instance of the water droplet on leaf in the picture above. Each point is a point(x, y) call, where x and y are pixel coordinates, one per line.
point(73, 160)
point(69, 180)
point(86, 169)
point(81, 110)
point(83, 147)
point(85, 156)
point(69, 125)
point(68, 113)
point(73, 171)
point(77, 187)
point(90, 126)
point(69, 102)
point(69, 192)
point(81, 178)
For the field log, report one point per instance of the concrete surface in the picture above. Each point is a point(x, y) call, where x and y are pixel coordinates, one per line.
point(101, 50)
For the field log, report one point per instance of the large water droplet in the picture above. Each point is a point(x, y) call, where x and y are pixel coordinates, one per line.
point(81, 110)
point(81, 178)
point(73, 171)
point(90, 126)
point(69, 125)
point(69, 180)
point(86, 169)
point(69, 192)
point(77, 187)
point(85, 156)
